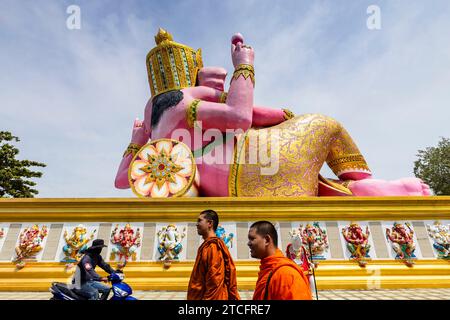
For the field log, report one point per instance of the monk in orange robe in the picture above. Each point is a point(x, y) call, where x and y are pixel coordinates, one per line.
point(214, 274)
point(279, 277)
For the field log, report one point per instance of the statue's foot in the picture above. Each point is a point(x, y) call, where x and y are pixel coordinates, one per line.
point(401, 187)
point(409, 263)
point(167, 263)
point(362, 263)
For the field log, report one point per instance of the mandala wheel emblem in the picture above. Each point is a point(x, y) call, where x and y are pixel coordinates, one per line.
point(164, 168)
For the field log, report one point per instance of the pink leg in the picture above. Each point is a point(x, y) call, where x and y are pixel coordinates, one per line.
point(355, 176)
point(401, 187)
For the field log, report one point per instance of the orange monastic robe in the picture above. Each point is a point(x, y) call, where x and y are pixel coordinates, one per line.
point(288, 281)
point(214, 274)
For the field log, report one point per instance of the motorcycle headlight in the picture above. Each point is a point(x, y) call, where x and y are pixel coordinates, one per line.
point(120, 292)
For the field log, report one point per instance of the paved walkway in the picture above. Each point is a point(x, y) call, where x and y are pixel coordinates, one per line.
point(404, 294)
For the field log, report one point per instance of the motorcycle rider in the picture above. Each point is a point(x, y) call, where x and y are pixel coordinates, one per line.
point(86, 280)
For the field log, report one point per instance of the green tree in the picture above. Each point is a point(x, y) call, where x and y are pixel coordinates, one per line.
point(433, 167)
point(13, 172)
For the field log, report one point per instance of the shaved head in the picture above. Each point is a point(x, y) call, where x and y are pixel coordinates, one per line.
point(266, 228)
point(211, 215)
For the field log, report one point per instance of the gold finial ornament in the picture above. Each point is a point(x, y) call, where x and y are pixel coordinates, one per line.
point(162, 35)
point(171, 65)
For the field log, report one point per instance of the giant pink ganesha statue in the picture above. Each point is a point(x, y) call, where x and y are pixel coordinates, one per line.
point(234, 147)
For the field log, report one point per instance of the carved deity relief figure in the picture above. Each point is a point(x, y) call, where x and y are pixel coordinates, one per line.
point(402, 242)
point(228, 239)
point(315, 239)
point(308, 245)
point(237, 147)
point(441, 236)
point(30, 241)
point(126, 242)
point(357, 242)
point(170, 245)
point(75, 245)
point(299, 252)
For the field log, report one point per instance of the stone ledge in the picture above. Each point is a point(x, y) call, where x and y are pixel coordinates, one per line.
point(378, 274)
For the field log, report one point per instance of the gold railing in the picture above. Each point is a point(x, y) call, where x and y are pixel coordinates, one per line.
point(230, 209)
point(380, 274)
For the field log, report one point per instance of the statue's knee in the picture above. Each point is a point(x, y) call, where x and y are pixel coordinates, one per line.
point(332, 125)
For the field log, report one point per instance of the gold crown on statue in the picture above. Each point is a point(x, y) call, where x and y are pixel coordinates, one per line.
point(171, 65)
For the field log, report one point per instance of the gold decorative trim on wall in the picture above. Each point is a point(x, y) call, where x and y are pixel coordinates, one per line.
point(382, 274)
point(229, 209)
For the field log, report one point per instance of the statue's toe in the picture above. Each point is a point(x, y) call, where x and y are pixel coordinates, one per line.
point(426, 191)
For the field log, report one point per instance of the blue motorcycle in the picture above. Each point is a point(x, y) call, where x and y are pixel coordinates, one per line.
point(121, 290)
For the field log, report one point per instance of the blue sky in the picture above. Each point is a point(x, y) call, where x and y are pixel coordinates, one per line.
point(72, 95)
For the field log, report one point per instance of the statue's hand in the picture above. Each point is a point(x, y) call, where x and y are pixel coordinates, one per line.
point(139, 135)
point(241, 53)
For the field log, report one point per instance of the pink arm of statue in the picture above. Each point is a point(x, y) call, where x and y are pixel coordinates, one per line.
point(211, 88)
point(121, 181)
point(237, 112)
point(261, 116)
point(266, 117)
point(140, 136)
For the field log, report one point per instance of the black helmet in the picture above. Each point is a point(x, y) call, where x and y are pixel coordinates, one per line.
point(97, 243)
